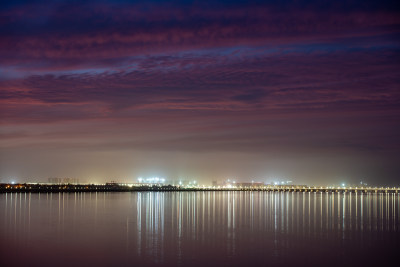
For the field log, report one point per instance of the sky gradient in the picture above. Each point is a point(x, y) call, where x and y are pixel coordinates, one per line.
point(307, 91)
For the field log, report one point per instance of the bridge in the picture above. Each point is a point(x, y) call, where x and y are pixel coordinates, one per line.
point(40, 187)
point(328, 189)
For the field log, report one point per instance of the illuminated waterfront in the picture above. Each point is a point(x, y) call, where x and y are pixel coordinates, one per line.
point(197, 228)
point(116, 187)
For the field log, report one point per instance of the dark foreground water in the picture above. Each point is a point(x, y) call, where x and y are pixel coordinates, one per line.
point(199, 229)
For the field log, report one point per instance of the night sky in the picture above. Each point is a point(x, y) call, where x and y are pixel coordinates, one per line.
point(307, 91)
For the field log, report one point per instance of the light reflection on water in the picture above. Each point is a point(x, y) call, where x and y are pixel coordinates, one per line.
point(197, 228)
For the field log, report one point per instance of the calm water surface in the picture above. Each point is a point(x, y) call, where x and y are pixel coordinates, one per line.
point(199, 228)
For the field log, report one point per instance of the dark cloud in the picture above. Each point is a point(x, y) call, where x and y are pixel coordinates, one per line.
point(70, 34)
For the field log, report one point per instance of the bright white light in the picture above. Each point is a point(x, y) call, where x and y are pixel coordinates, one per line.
point(12, 182)
point(343, 185)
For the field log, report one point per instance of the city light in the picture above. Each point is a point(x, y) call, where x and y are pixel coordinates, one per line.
point(152, 180)
point(155, 183)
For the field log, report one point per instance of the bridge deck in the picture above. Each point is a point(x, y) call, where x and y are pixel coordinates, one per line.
point(4, 188)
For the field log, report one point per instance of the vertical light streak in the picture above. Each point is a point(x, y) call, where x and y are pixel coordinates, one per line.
point(139, 222)
point(350, 210)
point(5, 213)
point(309, 213)
point(343, 214)
point(321, 210)
point(362, 212)
point(303, 215)
point(29, 216)
point(315, 213)
point(327, 211)
point(287, 212)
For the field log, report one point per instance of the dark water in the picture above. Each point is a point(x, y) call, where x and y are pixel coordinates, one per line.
point(199, 229)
